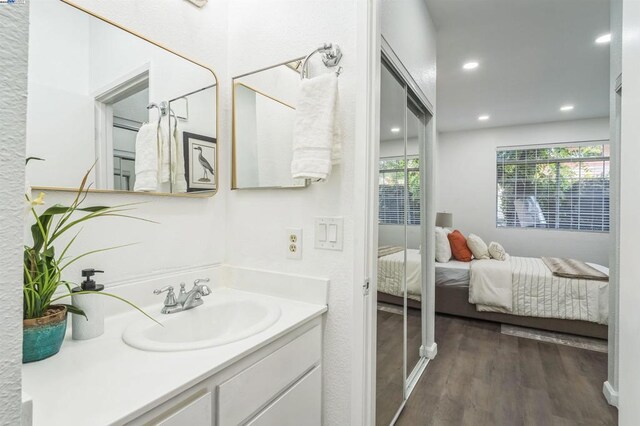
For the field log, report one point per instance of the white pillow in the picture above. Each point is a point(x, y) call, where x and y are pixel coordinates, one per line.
point(478, 247)
point(443, 249)
point(497, 251)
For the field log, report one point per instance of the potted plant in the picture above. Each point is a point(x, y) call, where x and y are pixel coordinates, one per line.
point(45, 316)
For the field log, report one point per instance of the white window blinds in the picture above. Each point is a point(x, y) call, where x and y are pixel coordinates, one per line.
point(392, 191)
point(563, 186)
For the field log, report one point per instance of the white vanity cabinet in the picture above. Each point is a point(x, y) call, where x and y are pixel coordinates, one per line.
point(277, 385)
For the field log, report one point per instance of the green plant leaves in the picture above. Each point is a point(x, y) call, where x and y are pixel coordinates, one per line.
point(42, 270)
point(74, 310)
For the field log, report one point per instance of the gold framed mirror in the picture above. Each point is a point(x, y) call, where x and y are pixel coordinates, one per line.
point(264, 104)
point(141, 116)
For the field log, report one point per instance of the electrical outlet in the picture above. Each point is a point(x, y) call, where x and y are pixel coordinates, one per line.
point(294, 243)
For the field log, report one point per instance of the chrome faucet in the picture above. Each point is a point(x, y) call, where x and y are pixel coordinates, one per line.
point(185, 300)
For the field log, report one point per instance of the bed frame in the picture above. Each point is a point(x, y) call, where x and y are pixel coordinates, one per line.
point(455, 301)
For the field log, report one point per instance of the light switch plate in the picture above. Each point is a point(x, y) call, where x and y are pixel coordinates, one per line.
point(294, 243)
point(329, 233)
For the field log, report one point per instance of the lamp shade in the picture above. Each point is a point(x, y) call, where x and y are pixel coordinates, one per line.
point(444, 220)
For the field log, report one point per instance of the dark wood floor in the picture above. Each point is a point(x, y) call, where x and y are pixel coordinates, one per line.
point(482, 377)
point(390, 366)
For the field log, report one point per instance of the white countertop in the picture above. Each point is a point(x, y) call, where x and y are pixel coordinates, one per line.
point(103, 380)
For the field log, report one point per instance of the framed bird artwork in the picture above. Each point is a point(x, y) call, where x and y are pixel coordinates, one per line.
point(200, 159)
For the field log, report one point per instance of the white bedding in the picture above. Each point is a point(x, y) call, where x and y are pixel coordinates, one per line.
point(490, 284)
point(536, 292)
point(452, 274)
point(391, 274)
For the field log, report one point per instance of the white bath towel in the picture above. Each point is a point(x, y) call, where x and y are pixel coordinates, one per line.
point(178, 180)
point(171, 160)
point(164, 162)
point(314, 129)
point(146, 165)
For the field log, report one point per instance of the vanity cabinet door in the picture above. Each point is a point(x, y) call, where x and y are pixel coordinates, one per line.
point(195, 413)
point(300, 405)
point(245, 394)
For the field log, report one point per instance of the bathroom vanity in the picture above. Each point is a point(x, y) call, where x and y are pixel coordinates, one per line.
point(272, 377)
point(278, 385)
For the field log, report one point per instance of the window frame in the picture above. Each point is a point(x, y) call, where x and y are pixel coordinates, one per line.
point(406, 171)
point(605, 143)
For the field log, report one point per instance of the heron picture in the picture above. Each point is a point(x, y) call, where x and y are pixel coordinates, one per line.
point(200, 162)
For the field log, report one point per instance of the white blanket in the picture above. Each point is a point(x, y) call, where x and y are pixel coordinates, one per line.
point(490, 284)
point(536, 292)
point(391, 274)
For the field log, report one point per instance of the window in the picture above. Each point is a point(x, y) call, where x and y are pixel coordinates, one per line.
point(392, 187)
point(554, 187)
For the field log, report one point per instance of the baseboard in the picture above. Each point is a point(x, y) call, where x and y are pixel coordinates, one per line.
point(430, 351)
point(610, 394)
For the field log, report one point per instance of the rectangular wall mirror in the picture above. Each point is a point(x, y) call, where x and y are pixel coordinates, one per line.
point(100, 94)
point(264, 104)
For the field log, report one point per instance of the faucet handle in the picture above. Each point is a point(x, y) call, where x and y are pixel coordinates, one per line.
point(170, 300)
point(168, 288)
point(200, 280)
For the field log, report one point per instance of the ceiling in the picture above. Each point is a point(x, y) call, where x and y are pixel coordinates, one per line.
point(535, 56)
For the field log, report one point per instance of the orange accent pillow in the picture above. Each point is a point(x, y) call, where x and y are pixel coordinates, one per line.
point(459, 247)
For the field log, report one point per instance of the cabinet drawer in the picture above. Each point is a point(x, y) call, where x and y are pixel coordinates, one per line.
point(300, 405)
point(195, 413)
point(243, 395)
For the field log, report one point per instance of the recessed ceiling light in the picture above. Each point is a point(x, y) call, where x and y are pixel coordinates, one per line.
point(566, 108)
point(603, 39)
point(395, 130)
point(483, 117)
point(470, 65)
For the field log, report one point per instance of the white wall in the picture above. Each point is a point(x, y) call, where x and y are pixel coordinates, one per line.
point(191, 232)
point(467, 188)
point(14, 31)
point(60, 110)
point(629, 273)
point(407, 26)
point(615, 68)
point(267, 33)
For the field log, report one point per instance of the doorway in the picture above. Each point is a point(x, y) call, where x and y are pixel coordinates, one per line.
point(120, 111)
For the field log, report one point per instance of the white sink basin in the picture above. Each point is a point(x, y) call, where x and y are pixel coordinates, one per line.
point(214, 323)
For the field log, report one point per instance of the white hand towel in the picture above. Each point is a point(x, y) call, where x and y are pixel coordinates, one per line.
point(164, 166)
point(146, 164)
point(314, 130)
point(178, 180)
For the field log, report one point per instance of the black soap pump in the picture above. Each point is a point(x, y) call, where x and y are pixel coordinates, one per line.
point(91, 304)
point(88, 284)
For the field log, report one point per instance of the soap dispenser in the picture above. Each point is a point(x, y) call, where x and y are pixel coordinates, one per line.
point(92, 305)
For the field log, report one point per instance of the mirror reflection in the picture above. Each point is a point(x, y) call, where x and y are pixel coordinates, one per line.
point(146, 117)
point(263, 119)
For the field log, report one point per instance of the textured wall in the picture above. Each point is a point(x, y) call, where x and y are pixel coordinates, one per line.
point(14, 30)
point(267, 33)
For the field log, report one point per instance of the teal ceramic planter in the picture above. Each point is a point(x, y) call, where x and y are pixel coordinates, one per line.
point(43, 337)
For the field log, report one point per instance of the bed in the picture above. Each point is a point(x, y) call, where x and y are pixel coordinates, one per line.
point(564, 305)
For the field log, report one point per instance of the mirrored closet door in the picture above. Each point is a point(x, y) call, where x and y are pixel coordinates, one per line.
point(401, 239)
point(392, 243)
